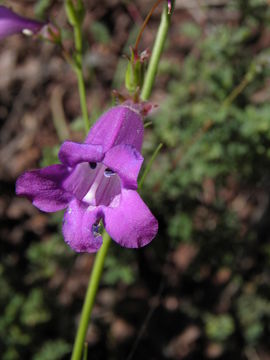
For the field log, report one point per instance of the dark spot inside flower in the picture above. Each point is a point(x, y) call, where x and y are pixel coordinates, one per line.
point(93, 165)
point(108, 172)
point(96, 230)
point(136, 154)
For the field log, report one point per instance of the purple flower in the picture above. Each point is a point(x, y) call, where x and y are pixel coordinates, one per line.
point(97, 180)
point(11, 23)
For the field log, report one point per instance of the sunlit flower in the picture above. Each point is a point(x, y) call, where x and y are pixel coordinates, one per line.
point(11, 23)
point(96, 181)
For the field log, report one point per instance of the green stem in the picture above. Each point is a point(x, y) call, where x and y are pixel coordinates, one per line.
point(149, 165)
point(79, 73)
point(82, 93)
point(85, 352)
point(156, 54)
point(90, 298)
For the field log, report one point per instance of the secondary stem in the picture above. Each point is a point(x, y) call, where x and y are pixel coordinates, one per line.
point(149, 165)
point(90, 298)
point(156, 54)
point(79, 73)
point(145, 24)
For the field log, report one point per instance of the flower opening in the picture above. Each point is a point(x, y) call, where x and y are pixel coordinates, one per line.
point(94, 184)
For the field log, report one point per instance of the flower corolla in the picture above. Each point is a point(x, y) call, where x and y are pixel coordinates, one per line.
point(97, 180)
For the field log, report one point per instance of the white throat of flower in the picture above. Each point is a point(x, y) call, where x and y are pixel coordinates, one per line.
point(90, 197)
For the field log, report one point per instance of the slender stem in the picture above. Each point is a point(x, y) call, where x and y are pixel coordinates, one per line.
point(85, 352)
point(90, 298)
point(149, 165)
point(236, 92)
point(156, 54)
point(58, 114)
point(145, 24)
point(82, 93)
point(79, 73)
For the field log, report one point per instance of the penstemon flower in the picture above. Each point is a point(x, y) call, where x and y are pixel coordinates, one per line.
point(97, 180)
point(11, 23)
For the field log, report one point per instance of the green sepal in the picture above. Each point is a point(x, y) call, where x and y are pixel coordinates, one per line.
point(134, 74)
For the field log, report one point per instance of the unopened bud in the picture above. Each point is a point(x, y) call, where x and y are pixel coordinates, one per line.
point(135, 70)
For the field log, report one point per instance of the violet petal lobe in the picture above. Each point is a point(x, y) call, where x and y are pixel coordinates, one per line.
point(119, 125)
point(72, 153)
point(131, 224)
point(43, 188)
point(80, 227)
point(11, 23)
point(126, 161)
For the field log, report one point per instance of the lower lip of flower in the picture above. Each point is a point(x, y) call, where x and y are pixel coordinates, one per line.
point(94, 184)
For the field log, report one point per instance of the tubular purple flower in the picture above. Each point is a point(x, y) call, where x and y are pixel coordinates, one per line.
point(11, 23)
point(97, 180)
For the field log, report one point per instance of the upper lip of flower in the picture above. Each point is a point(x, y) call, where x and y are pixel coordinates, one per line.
point(97, 180)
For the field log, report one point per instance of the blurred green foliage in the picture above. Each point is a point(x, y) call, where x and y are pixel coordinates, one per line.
point(53, 350)
point(253, 310)
point(219, 327)
point(100, 32)
point(216, 142)
point(119, 267)
point(41, 7)
point(215, 127)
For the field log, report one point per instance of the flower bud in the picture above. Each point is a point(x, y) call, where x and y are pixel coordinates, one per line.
point(135, 70)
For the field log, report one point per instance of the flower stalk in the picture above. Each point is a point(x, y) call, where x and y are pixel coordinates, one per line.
point(79, 73)
point(75, 16)
point(90, 298)
point(149, 165)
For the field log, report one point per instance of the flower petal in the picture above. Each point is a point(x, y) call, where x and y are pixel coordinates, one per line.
point(11, 23)
point(131, 224)
point(43, 188)
point(79, 220)
point(119, 125)
point(126, 161)
point(72, 153)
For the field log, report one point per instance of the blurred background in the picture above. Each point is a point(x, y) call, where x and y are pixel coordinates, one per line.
point(201, 290)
